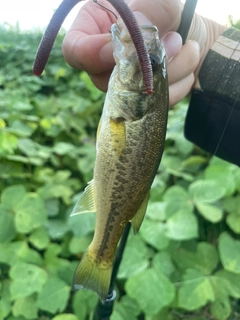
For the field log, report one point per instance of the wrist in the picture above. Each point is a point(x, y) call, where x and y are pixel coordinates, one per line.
point(213, 31)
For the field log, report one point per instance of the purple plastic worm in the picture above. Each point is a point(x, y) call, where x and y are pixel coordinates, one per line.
point(128, 18)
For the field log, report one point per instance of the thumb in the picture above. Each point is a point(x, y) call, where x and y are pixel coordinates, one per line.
point(165, 15)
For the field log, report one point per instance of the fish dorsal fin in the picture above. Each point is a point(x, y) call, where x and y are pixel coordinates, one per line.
point(86, 201)
point(138, 218)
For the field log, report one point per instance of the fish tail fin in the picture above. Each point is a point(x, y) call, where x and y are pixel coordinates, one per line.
point(93, 274)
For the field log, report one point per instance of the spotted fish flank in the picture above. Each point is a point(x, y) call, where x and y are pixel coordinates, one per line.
point(130, 142)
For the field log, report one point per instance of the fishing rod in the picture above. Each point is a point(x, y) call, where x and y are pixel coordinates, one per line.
point(186, 19)
point(104, 310)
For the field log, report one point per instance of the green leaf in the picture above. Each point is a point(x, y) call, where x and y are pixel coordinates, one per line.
point(79, 304)
point(134, 259)
point(233, 221)
point(12, 196)
point(229, 251)
point(25, 307)
point(7, 233)
point(153, 233)
point(27, 279)
point(54, 295)
point(16, 318)
point(54, 190)
point(16, 251)
point(84, 302)
point(151, 289)
point(78, 245)
point(23, 253)
point(223, 174)
point(176, 198)
point(65, 316)
point(221, 309)
point(82, 224)
point(233, 283)
point(39, 238)
point(162, 261)
point(232, 204)
point(21, 128)
point(125, 309)
point(129, 306)
point(209, 212)
point(62, 148)
point(182, 226)
point(156, 211)
point(54, 264)
point(196, 291)
point(5, 301)
point(35, 152)
point(158, 186)
point(95, 93)
point(8, 142)
point(205, 259)
point(57, 228)
point(30, 213)
point(52, 206)
point(207, 191)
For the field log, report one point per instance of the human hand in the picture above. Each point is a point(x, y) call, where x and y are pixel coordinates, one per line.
point(87, 45)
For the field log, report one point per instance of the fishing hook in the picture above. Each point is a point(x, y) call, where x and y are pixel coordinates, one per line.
point(102, 6)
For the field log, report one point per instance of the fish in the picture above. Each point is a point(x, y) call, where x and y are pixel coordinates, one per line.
point(129, 147)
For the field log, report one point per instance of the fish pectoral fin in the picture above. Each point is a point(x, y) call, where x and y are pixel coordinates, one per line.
point(99, 128)
point(138, 218)
point(86, 201)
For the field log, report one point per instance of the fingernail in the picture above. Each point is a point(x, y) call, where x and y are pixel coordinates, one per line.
point(106, 53)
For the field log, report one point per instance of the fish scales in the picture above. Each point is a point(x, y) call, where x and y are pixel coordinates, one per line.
point(129, 147)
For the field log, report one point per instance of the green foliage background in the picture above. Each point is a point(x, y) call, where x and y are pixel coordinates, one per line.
point(185, 261)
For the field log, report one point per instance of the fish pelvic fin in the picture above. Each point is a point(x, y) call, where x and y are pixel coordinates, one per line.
point(139, 216)
point(86, 201)
point(93, 275)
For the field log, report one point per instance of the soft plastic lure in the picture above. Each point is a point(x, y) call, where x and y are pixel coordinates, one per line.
point(128, 18)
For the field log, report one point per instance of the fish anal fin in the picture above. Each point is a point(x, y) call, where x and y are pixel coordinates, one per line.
point(86, 201)
point(93, 275)
point(138, 218)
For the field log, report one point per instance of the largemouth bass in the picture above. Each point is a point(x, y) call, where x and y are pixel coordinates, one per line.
point(130, 143)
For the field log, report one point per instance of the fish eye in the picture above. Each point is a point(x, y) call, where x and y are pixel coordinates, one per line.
point(155, 62)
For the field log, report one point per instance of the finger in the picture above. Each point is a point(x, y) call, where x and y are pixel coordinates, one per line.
point(101, 80)
point(180, 89)
point(184, 63)
point(88, 34)
point(172, 43)
point(166, 15)
point(90, 53)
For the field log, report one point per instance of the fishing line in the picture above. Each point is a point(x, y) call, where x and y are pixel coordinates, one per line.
point(234, 104)
point(212, 97)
